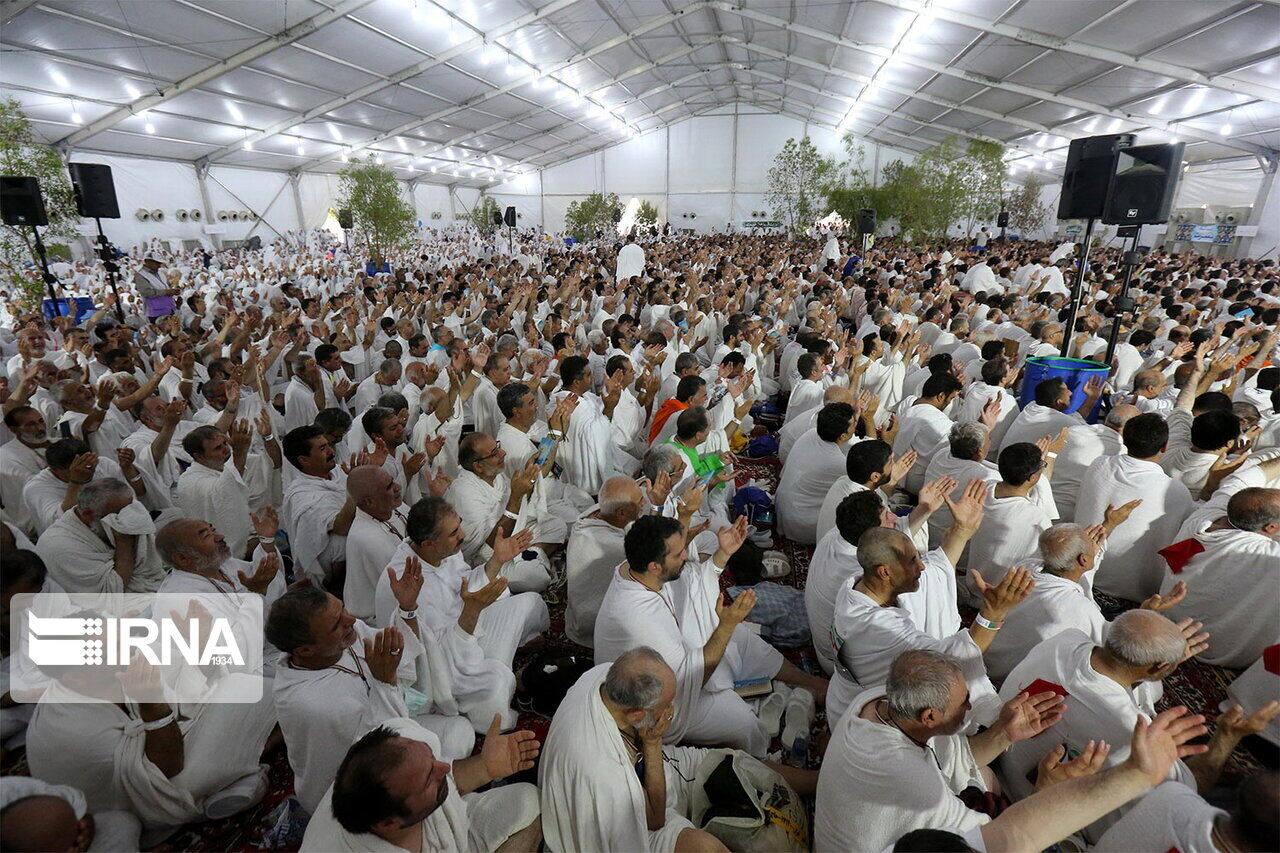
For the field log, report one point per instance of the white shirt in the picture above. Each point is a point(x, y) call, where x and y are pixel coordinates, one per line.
point(812, 466)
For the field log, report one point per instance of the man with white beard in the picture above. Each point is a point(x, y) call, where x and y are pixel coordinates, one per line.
point(106, 543)
point(654, 599)
point(462, 602)
point(594, 551)
point(340, 677)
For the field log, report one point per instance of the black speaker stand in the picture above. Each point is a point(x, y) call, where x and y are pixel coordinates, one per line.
point(1077, 290)
point(49, 278)
point(1123, 303)
point(109, 264)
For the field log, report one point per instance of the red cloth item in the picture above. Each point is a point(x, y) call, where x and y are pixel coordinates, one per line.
point(1271, 659)
point(666, 410)
point(1039, 686)
point(1179, 554)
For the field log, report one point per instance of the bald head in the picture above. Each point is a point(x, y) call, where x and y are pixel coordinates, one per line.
point(1148, 380)
point(620, 496)
point(1119, 415)
point(365, 481)
point(637, 680)
point(39, 823)
point(1144, 638)
point(837, 394)
point(1256, 510)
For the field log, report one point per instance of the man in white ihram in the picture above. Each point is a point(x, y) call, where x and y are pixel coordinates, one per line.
point(630, 260)
point(655, 600)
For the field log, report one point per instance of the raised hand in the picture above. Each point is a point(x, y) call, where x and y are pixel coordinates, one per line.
point(504, 755)
point(967, 512)
point(934, 494)
point(1234, 724)
point(730, 537)
point(901, 466)
point(651, 736)
point(1114, 516)
point(507, 548)
point(691, 501)
point(1160, 603)
point(383, 654)
point(991, 410)
point(263, 574)
point(240, 434)
point(1197, 640)
point(998, 600)
point(81, 469)
point(406, 587)
point(660, 488)
point(1158, 743)
point(1053, 444)
point(1025, 716)
point(1052, 769)
point(732, 615)
point(477, 600)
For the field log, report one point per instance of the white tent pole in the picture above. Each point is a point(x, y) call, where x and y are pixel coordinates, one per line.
point(210, 219)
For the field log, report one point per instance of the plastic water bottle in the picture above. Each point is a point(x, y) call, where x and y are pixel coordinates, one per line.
point(799, 721)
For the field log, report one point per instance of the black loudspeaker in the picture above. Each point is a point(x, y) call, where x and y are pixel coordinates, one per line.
point(1126, 231)
point(345, 221)
point(1145, 180)
point(95, 191)
point(21, 202)
point(510, 218)
point(1091, 161)
point(617, 216)
point(497, 217)
point(867, 220)
point(1002, 221)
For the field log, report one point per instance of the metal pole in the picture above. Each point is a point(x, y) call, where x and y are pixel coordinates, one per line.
point(49, 278)
point(109, 264)
point(1123, 304)
point(1077, 290)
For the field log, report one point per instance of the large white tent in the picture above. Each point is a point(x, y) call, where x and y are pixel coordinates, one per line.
point(231, 105)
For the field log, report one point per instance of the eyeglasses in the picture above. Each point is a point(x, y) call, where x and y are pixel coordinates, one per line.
point(497, 448)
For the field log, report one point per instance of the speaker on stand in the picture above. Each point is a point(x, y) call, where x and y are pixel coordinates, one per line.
point(1086, 180)
point(96, 199)
point(1142, 191)
point(22, 205)
point(866, 227)
point(509, 217)
point(1002, 222)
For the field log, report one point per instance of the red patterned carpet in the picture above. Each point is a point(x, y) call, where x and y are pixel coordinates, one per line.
point(1198, 686)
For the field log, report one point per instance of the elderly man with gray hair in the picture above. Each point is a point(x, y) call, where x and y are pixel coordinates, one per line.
point(1097, 684)
point(898, 762)
point(606, 780)
point(594, 550)
point(105, 543)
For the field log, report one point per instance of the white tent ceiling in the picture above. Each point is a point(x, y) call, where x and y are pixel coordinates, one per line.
point(479, 89)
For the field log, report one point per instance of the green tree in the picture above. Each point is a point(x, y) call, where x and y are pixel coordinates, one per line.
point(984, 182)
point(382, 219)
point(647, 214)
point(1027, 213)
point(21, 154)
point(482, 214)
point(594, 213)
point(798, 183)
point(905, 197)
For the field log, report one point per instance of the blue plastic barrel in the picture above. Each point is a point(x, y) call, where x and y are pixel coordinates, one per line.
point(1074, 371)
point(77, 307)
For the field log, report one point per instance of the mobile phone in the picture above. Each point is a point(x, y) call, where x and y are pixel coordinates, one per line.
point(704, 479)
point(1243, 314)
point(544, 449)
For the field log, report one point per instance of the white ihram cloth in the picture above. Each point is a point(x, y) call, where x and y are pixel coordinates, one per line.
point(220, 498)
point(806, 394)
point(114, 831)
point(1258, 685)
point(794, 429)
point(630, 261)
point(1097, 708)
point(876, 784)
point(564, 501)
point(1221, 584)
point(883, 378)
point(44, 493)
point(474, 823)
point(321, 708)
point(586, 452)
point(924, 429)
point(1035, 422)
point(481, 505)
point(812, 467)
point(593, 552)
point(18, 464)
point(964, 470)
point(976, 397)
point(677, 621)
point(100, 748)
point(479, 664)
point(834, 567)
point(429, 427)
point(868, 637)
point(592, 798)
point(484, 407)
point(371, 543)
point(1009, 532)
point(311, 505)
point(160, 478)
point(1085, 443)
point(1131, 568)
point(1171, 817)
point(1180, 460)
point(80, 560)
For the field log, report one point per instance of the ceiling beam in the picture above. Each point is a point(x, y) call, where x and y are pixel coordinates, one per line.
point(212, 72)
point(13, 8)
point(1173, 127)
point(1029, 36)
point(461, 49)
point(523, 80)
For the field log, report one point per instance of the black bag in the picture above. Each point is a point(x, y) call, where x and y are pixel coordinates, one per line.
point(547, 678)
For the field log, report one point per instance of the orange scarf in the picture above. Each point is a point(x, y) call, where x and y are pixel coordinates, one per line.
point(666, 410)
